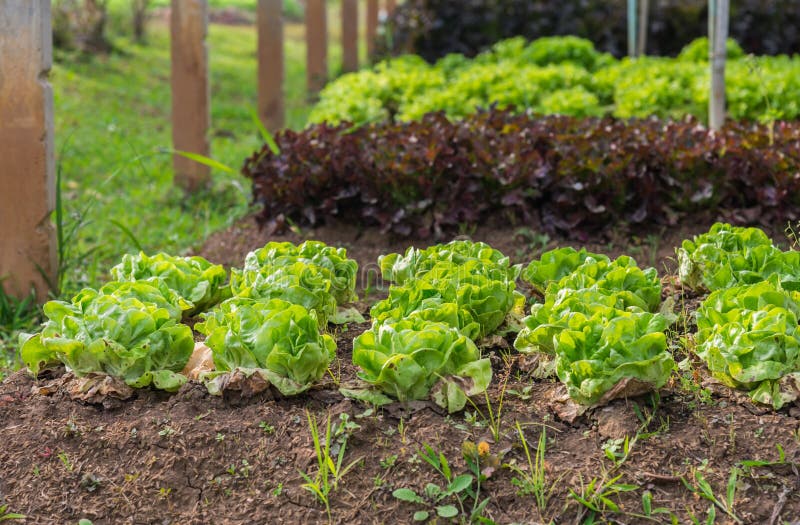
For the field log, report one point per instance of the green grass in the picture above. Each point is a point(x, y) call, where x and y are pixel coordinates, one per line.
point(112, 122)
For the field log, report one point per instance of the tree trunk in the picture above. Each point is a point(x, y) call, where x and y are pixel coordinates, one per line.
point(140, 19)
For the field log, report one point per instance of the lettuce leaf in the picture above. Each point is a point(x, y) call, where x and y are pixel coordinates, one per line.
point(279, 339)
point(119, 335)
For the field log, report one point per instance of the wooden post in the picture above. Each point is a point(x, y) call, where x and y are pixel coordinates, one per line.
point(716, 107)
point(349, 35)
point(27, 166)
point(271, 64)
point(632, 28)
point(191, 95)
point(641, 47)
point(391, 5)
point(372, 26)
point(316, 46)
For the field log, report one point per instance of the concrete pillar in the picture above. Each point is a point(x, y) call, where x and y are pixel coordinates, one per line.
point(27, 164)
point(271, 105)
point(372, 26)
point(349, 35)
point(191, 94)
point(316, 46)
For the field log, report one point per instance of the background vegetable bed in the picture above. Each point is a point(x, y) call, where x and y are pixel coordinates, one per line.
point(108, 465)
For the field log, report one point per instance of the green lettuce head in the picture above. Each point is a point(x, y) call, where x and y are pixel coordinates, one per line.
point(749, 338)
point(416, 263)
point(275, 338)
point(119, 335)
point(298, 283)
point(728, 256)
point(409, 358)
point(330, 261)
point(594, 360)
point(556, 264)
point(194, 279)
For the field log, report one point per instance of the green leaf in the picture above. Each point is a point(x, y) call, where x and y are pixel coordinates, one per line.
point(447, 511)
point(407, 495)
point(421, 515)
point(206, 161)
point(460, 483)
point(647, 503)
point(266, 135)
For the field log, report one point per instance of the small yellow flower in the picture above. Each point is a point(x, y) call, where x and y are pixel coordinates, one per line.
point(483, 448)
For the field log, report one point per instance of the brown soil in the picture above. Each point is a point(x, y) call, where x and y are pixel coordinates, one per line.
point(191, 458)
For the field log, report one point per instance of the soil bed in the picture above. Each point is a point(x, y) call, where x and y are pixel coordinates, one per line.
point(191, 458)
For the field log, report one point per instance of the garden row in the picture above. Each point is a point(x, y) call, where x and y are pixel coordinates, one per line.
point(601, 326)
point(572, 175)
point(435, 28)
point(566, 76)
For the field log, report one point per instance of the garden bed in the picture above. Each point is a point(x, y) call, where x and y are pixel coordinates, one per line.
point(193, 458)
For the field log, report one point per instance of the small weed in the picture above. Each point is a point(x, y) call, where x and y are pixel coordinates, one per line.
point(6, 515)
point(330, 470)
point(266, 427)
point(389, 461)
point(597, 497)
point(167, 431)
point(62, 456)
point(164, 492)
point(449, 500)
point(703, 489)
point(277, 491)
point(534, 480)
point(220, 437)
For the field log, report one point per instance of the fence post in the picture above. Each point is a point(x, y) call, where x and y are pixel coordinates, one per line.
point(641, 44)
point(270, 64)
point(191, 95)
point(316, 46)
point(632, 12)
point(349, 35)
point(372, 27)
point(716, 104)
point(391, 5)
point(27, 176)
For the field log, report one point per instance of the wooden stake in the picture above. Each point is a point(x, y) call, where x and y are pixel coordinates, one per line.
point(349, 35)
point(191, 95)
point(372, 27)
point(316, 46)
point(716, 109)
point(271, 64)
point(27, 176)
point(644, 7)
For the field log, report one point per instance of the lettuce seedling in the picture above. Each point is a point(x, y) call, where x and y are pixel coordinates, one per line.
point(276, 339)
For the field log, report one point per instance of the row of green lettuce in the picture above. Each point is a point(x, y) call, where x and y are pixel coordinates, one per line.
point(598, 324)
point(747, 328)
point(268, 319)
point(422, 343)
point(567, 76)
